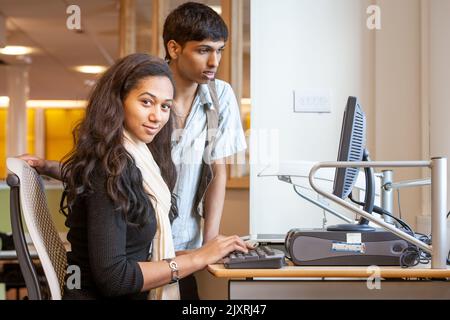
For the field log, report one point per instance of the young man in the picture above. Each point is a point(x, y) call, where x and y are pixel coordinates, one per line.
point(194, 37)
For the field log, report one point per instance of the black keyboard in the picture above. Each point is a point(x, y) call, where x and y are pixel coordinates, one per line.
point(263, 257)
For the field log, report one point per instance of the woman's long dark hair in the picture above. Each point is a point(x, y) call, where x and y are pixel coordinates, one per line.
point(99, 145)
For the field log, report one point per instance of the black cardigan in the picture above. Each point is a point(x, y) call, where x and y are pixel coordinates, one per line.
point(106, 247)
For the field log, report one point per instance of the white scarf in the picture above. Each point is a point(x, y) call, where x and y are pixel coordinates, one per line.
point(162, 246)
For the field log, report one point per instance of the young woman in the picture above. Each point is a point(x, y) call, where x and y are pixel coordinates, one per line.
point(118, 182)
point(194, 38)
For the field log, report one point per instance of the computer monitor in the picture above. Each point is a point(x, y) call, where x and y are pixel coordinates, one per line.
point(352, 147)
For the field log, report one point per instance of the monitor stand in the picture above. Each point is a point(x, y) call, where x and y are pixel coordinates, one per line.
point(363, 224)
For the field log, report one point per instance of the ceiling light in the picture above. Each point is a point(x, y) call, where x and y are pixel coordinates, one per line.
point(15, 50)
point(4, 101)
point(90, 69)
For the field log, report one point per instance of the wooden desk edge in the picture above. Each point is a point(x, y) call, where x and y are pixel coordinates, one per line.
point(219, 271)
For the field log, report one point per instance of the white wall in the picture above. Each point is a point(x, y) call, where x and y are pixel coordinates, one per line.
point(300, 45)
point(400, 73)
point(412, 70)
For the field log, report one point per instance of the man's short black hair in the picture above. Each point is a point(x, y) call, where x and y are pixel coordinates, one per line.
point(193, 21)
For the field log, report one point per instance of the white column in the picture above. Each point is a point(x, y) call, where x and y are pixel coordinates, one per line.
point(39, 132)
point(127, 27)
point(164, 8)
point(17, 90)
point(2, 30)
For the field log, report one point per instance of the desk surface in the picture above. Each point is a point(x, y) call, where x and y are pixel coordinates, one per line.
point(290, 271)
point(11, 255)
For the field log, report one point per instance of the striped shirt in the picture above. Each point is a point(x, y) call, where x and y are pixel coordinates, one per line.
point(187, 153)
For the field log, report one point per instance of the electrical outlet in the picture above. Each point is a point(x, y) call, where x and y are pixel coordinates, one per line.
point(312, 100)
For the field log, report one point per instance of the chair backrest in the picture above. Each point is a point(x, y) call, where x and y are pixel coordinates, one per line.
point(49, 246)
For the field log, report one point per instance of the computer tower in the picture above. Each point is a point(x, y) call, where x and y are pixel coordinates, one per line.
point(318, 247)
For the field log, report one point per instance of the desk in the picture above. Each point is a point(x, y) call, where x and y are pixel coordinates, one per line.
point(8, 255)
point(294, 282)
point(10, 274)
point(8, 259)
point(11, 255)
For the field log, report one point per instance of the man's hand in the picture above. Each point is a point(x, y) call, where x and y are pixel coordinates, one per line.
point(35, 162)
point(42, 166)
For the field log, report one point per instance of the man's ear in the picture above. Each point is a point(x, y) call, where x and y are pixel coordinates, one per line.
point(174, 49)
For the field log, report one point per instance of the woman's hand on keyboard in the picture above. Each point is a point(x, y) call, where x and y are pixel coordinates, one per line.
point(218, 248)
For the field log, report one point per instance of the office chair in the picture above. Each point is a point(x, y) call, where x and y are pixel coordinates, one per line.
point(28, 196)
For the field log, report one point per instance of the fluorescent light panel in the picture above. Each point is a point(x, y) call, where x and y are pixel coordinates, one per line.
point(4, 102)
point(15, 50)
point(67, 104)
point(90, 69)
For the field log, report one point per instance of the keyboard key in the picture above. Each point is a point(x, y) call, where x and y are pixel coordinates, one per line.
point(268, 251)
point(251, 255)
point(260, 252)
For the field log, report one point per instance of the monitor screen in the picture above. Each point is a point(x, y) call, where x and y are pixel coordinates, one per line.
point(351, 147)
